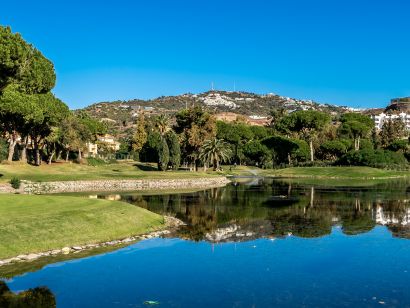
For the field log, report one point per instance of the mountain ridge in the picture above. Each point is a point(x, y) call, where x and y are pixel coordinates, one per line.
point(215, 101)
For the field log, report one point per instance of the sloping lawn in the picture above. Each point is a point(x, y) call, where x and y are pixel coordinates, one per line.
point(31, 224)
point(336, 172)
point(62, 171)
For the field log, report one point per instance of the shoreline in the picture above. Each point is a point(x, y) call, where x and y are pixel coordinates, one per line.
point(319, 177)
point(53, 187)
point(171, 224)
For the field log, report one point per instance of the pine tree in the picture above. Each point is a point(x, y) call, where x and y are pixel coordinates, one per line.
point(174, 150)
point(163, 155)
point(140, 136)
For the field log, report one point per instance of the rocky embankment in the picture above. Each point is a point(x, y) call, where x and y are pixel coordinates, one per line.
point(115, 185)
point(171, 224)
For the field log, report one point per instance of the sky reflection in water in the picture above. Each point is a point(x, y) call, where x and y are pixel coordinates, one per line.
point(340, 254)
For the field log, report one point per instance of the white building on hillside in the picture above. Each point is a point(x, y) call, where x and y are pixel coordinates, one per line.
point(381, 118)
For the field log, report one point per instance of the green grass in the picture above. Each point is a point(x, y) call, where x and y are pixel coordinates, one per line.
point(335, 172)
point(31, 224)
point(75, 172)
point(231, 170)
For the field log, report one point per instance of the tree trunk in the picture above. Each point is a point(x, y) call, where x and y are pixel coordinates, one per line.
point(12, 146)
point(215, 163)
point(66, 155)
point(23, 157)
point(79, 155)
point(37, 159)
point(357, 143)
point(51, 157)
point(289, 159)
point(311, 150)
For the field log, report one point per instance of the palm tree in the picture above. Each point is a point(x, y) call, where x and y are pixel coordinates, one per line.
point(162, 124)
point(215, 151)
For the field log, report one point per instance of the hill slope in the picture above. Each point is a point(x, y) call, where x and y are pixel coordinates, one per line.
point(122, 113)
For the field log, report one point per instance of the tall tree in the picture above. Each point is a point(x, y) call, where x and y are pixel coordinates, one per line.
point(16, 110)
point(392, 130)
point(25, 75)
point(140, 136)
point(51, 111)
point(161, 123)
point(214, 152)
point(277, 114)
point(69, 134)
point(356, 126)
point(22, 64)
point(174, 150)
point(282, 148)
point(163, 154)
point(194, 126)
point(88, 129)
point(257, 153)
point(306, 124)
point(237, 134)
point(14, 57)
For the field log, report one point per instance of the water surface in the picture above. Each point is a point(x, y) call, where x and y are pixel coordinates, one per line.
point(258, 244)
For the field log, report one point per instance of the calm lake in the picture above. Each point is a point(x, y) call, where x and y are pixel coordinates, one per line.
point(258, 243)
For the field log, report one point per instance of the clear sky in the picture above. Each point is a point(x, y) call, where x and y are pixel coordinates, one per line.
point(347, 52)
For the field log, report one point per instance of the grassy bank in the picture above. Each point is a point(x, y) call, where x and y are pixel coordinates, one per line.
point(356, 172)
point(75, 172)
point(39, 223)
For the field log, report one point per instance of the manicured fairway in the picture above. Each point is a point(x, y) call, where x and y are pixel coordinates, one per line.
point(39, 223)
point(335, 172)
point(62, 171)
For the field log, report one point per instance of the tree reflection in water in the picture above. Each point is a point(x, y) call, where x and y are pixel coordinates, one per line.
point(40, 297)
point(269, 208)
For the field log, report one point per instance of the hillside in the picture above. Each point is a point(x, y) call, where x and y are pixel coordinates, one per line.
point(121, 114)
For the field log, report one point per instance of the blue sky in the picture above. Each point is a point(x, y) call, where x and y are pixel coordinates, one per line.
point(346, 52)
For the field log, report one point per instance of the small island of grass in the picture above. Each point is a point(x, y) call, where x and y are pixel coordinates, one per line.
point(32, 224)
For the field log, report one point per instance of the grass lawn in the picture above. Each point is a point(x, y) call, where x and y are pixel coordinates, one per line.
point(31, 224)
point(335, 172)
point(72, 172)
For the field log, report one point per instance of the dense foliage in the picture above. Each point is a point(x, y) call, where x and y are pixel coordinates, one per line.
point(373, 158)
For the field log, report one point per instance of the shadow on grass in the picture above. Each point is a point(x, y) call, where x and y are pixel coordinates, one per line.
point(143, 167)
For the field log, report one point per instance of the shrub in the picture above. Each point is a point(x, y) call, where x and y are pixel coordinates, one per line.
point(366, 144)
point(399, 145)
point(257, 153)
point(316, 163)
point(332, 149)
point(302, 153)
point(15, 183)
point(373, 158)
